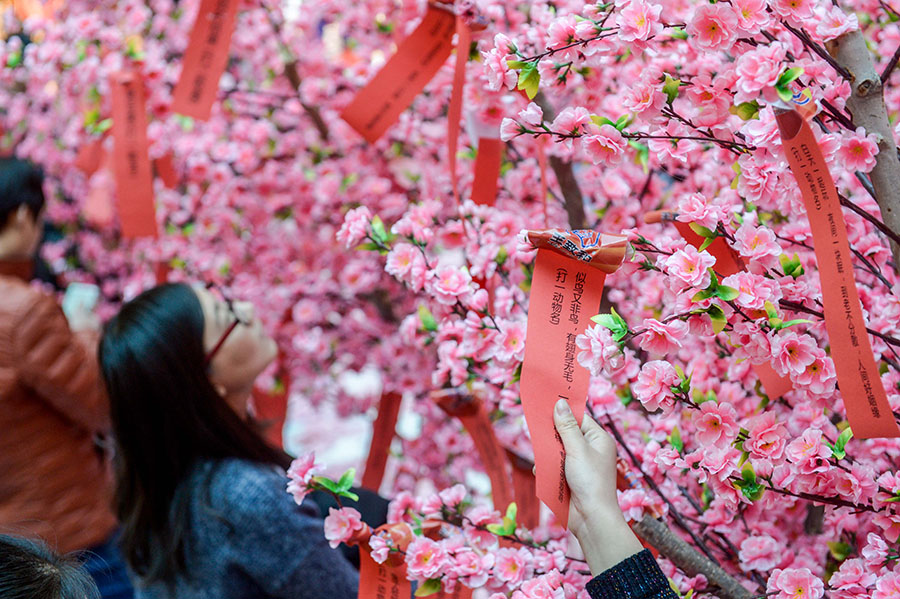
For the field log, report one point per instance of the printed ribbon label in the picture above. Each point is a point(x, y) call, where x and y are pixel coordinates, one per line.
point(381, 581)
point(864, 398)
point(565, 293)
point(131, 160)
point(418, 58)
point(487, 170)
point(470, 411)
point(382, 435)
point(205, 59)
point(529, 509)
point(729, 262)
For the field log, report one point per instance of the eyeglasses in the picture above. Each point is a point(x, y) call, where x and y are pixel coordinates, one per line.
point(229, 303)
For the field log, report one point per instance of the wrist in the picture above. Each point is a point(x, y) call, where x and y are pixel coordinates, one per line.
point(606, 539)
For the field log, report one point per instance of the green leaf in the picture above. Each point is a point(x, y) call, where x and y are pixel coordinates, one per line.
point(429, 587)
point(670, 88)
point(839, 448)
point(103, 126)
point(791, 323)
point(529, 80)
point(717, 316)
point(678, 33)
point(791, 266)
point(622, 122)
point(378, 231)
point(601, 120)
point(788, 77)
point(703, 295)
point(706, 243)
point(612, 321)
point(771, 312)
point(14, 60)
point(702, 231)
point(839, 551)
point(676, 441)
point(326, 483)
point(727, 293)
point(516, 64)
point(784, 93)
point(428, 321)
point(511, 511)
point(746, 110)
point(346, 480)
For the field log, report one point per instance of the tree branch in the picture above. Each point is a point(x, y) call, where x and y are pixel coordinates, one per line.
point(688, 559)
point(564, 174)
point(866, 105)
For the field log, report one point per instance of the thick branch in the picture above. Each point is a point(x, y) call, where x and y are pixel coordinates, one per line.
point(564, 174)
point(866, 104)
point(689, 559)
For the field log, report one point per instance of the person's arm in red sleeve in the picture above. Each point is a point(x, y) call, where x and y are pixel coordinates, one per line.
point(58, 367)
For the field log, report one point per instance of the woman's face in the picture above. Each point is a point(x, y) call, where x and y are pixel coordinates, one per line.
point(246, 352)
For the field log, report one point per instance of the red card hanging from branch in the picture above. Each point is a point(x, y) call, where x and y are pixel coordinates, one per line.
point(205, 59)
point(418, 58)
point(131, 160)
point(864, 398)
point(487, 170)
point(566, 290)
point(728, 262)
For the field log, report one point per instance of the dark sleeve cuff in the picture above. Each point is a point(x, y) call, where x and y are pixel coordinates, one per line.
point(636, 577)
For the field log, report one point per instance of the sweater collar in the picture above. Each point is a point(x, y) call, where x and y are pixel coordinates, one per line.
point(17, 268)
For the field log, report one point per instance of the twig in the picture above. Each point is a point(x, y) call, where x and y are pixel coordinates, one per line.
point(796, 307)
point(889, 69)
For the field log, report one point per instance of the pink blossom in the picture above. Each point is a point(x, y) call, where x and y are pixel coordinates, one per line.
point(766, 436)
point(796, 10)
point(761, 553)
point(639, 21)
point(759, 69)
point(425, 558)
point(690, 266)
point(661, 338)
point(606, 147)
point(852, 578)
point(653, 387)
point(697, 208)
point(571, 120)
point(355, 227)
point(808, 452)
point(832, 22)
point(819, 377)
point(887, 587)
point(405, 262)
point(645, 96)
point(795, 583)
point(757, 243)
point(472, 568)
point(512, 566)
point(510, 128)
point(532, 115)
point(379, 548)
point(510, 341)
point(716, 423)
point(449, 284)
point(751, 15)
point(300, 475)
point(453, 496)
point(600, 352)
point(875, 551)
point(859, 150)
point(713, 27)
point(341, 524)
point(792, 352)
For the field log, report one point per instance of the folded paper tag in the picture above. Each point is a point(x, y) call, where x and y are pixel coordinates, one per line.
point(131, 160)
point(864, 398)
point(565, 293)
point(205, 59)
point(603, 251)
point(418, 58)
point(487, 170)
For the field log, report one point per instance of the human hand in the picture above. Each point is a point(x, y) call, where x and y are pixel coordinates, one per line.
point(594, 514)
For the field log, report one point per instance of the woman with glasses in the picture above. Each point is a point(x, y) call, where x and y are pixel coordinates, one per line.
point(201, 497)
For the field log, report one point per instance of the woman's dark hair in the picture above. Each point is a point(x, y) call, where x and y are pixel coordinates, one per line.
point(20, 183)
point(29, 570)
point(166, 416)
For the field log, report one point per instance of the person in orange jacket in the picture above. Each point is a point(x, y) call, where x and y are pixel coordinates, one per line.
point(55, 483)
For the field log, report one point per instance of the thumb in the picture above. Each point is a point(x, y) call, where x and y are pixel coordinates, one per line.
point(567, 427)
point(600, 440)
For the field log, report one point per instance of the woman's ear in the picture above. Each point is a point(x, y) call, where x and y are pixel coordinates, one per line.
point(220, 389)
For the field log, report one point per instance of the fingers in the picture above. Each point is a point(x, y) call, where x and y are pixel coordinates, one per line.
point(567, 427)
point(596, 436)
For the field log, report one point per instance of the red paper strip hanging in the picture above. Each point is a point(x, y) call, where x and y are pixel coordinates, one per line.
point(454, 111)
point(165, 170)
point(487, 170)
point(529, 508)
point(418, 58)
point(205, 59)
point(471, 412)
point(864, 398)
point(90, 157)
point(381, 581)
point(565, 293)
point(131, 160)
point(729, 262)
point(382, 435)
